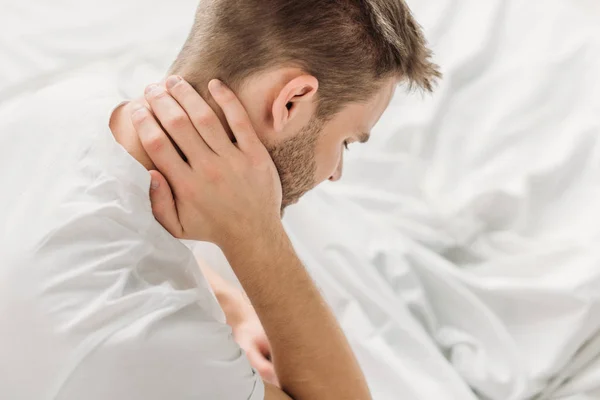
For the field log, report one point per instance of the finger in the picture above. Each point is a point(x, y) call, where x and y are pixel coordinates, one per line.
point(176, 122)
point(157, 144)
point(201, 114)
point(264, 367)
point(163, 204)
point(263, 345)
point(236, 115)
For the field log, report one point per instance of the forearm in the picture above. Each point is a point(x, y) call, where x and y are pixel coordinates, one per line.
point(312, 357)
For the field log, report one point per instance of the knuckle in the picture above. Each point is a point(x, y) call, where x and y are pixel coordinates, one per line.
point(256, 161)
point(205, 118)
point(240, 165)
point(247, 165)
point(139, 117)
point(212, 174)
point(154, 143)
point(186, 191)
point(176, 121)
point(238, 125)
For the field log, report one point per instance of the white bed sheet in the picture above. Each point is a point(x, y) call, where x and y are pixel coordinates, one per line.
point(461, 248)
point(496, 176)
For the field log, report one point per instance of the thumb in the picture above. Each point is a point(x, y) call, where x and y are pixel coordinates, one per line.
point(163, 204)
point(263, 345)
point(263, 366)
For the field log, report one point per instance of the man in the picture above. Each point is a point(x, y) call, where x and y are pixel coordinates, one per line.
point(97, 299)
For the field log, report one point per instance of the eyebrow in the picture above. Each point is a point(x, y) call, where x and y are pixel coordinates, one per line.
point(364, 137)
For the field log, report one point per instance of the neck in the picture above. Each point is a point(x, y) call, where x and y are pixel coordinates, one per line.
point(126, 135)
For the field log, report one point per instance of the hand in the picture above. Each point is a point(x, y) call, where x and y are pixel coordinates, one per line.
point(226, 192)
point(249, 333)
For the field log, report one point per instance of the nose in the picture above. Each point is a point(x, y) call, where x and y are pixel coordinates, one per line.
point(337, 174)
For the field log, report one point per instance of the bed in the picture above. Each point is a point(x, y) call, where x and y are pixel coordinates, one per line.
point(461, 250)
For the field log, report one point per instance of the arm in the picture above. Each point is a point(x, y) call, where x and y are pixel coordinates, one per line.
point(232, 196)
point(312, 357)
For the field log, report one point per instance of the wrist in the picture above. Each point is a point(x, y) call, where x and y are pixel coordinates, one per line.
point(253, 243)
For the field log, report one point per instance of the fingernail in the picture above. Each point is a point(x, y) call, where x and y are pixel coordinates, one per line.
point(150, 88)
point(172, 81)
point(137, 109)
point(154, 184)
point(156, 90)
point(217, 86)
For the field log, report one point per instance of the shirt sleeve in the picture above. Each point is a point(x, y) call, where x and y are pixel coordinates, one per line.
point(181, 356)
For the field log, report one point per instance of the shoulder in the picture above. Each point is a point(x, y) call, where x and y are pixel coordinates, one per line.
point(68, 100)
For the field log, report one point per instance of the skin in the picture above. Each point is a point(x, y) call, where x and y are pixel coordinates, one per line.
point(230, 194)
point(304, 151)
point(281, 106)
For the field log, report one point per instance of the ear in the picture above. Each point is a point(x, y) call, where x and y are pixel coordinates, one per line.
point(299, 91)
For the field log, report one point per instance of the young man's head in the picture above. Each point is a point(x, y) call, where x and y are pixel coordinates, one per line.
point(314, 75)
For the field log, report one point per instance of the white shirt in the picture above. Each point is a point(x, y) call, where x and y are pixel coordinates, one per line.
point(97, 300)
